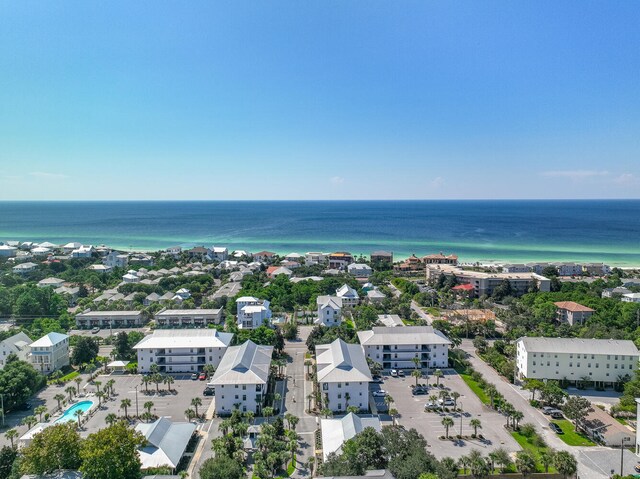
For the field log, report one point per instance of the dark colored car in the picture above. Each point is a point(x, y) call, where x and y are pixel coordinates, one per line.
point(377, 379)
point(557, 415)
point(209, 392)
point(555, 428)
point(419, 391)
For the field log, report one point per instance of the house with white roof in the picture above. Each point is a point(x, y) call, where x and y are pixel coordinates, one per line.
point(336, 431)
point(630, 298)
point(218, 253)
point(343, 375)
point(84, 251)
point(7, 251)
point(396, 347)
point(615, 292)
point(329, 311)
point(312, 258)
point(166, 442)
point(131, 277)
point(360, 270)
point(24, 268)
point(100, 268)
point(17, 344)
point(349, 296)
point(242, 377)
point(51, 282)
point(603, 361)
point(104, 319)
point(116, 259)
point(69, 247)
point(190, 318)
point(50, 353)
point(182, 350)
point(252, 312)
point(40, 251)
point(183, 293)
point(390, 320)
point(375, 296)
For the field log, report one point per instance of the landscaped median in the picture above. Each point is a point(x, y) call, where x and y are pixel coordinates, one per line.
point(475, 387)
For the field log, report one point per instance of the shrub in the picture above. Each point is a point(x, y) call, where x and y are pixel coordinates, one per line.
point(528, 430)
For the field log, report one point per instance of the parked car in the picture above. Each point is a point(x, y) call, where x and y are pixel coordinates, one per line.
point(380, 393)
point(400, 373)
point(431, 405)
point(209, 391)
point(394, 373)
point(557, 415)
point(446, 402)
point(202, 376)
point(419, 391)
point(377, 379)
point(637, 467)
point(555, 428)
point(194, 376)
point(95, 330)
point(547, 409)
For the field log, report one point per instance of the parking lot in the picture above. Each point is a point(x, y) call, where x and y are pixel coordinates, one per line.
point(429, 424)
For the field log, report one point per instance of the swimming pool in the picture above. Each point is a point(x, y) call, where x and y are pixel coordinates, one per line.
point(69, 414)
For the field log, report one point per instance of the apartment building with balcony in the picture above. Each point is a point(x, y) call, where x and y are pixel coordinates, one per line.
point(343, 375)
point(109, 319)
point(49, 353)
point(182, 350)
point(187, 318)
point(396, 347)
point(241, 380)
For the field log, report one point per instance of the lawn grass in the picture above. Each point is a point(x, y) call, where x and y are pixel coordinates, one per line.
point(533, 449)
point(475, 387)
point(571, 436)
point(433, 311)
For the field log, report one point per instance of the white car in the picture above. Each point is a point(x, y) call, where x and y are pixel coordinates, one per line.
point(380, 393)
point(394, 373)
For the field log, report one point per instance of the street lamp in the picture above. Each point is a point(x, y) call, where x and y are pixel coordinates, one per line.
point(624, 439)
point(460, 419)
point(136, 388)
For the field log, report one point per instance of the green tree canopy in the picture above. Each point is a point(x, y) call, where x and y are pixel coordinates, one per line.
point(112, 452)
point(55, 448)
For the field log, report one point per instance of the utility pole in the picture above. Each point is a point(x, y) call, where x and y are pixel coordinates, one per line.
point(136, 388)
point(624, 439)
point(460, 419)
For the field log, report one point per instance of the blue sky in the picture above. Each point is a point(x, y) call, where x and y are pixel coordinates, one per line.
point(319, 100)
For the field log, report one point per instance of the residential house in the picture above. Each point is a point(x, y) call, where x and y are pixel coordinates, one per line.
point(335, 432)
point(360, 270)
point(24, 268)
point(166, 442)
point(329, 311)
point(83, 252)
point(631, 298)
point(7, 251)
point(343, 375)
point(100, 268)
point(349, 296)
point(375, 296)
point(615, 292)
point(109, 319)
point(340, 260)
point(182, 350)
point(273, 271)
point(568, 269)
point(390, 320)
point(603, 428)
point(190, 318)
point(264, 256)
point(572, 313)
point(312, 258)
point(241, 380)
point(150, 299)
point(116, 259)
point(382, 257)
point(602, 361)
point(17, 344)
point(174, 250)
point(440, 258)
point(396, 348)
point(50, 282)
point(410, 265)
point(596, 269)
point(70, 291)
point(131, 277)
point(252, 312)
point(49, 353)
point(218, 253)
point(515, 268)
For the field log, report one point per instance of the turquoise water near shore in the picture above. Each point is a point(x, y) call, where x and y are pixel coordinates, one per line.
point(515, 231)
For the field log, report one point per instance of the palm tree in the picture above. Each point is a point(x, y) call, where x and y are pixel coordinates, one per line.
point(353, 409)
point(195, 402)
point(40, 410)
point(326, 412)
point(109, 386)
point(491, 391)
point(492, 458)
point(546, 458)
point(78, 380)
point(125, 404)
point(59, 397)
point(97, 384)
point(447, 422)
point(78, 414)
point(525, 463)
point(157, 378)
point(100, 395)
point(438, 374)
point(291, 420)
point(148, 405)
point(475, 424)
point(267, 412)
point(508, 411)
point(502, 457)
point(168, 380)
point(11, 434)
point(29, 421)
point(565, 463)
point(416, 374)
point(455, 395)
point(516, 417)
point(443, 395)
point(190, 414)
point(147, 416)
point(347, 396)
point(416, 361)
point(433, 400)
point(388, 400)
point(209, 369)
point(309, 398)
point(479, 466)
point(250, 416)
point(111, 419)
point(464, 462)
point(393, 412)
point(70, 390)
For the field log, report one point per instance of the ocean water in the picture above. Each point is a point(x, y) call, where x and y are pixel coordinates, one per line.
point(516, 231)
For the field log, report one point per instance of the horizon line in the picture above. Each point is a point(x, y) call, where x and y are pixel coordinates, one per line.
point(303, 200)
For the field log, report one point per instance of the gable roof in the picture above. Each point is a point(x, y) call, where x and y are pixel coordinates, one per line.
point(573, 307)
point(336, 431)
point(346, 291)
point(341, 362)
point(329, 301)
point(17, 342)
point(579, 346)
point(166, 442)
point(380, 335)
point(245, 364)
point(49, 340)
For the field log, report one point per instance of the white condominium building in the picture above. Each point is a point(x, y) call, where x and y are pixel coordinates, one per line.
point(343, 375)
point(17, 344)
point(242, 377)
point(182, 350)
point(192, 318)
point(252, 312)
point(50, 352)
point(396, 347)
point(574, 359)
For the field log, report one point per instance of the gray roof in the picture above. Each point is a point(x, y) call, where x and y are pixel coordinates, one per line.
point(390, 320)
point(55, 475)
point(108, 314)
point(188, 312)
point(18, 341)
point(245, 364)
point(382, 335)
point(336, 431)
point(334, 301)
point(166, 442)
point(579, 346)
point(341, 362)
point(346, 291)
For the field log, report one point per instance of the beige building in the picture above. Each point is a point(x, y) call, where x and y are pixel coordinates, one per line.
point(106, 319)
point(572, 313)
point(190, 318)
